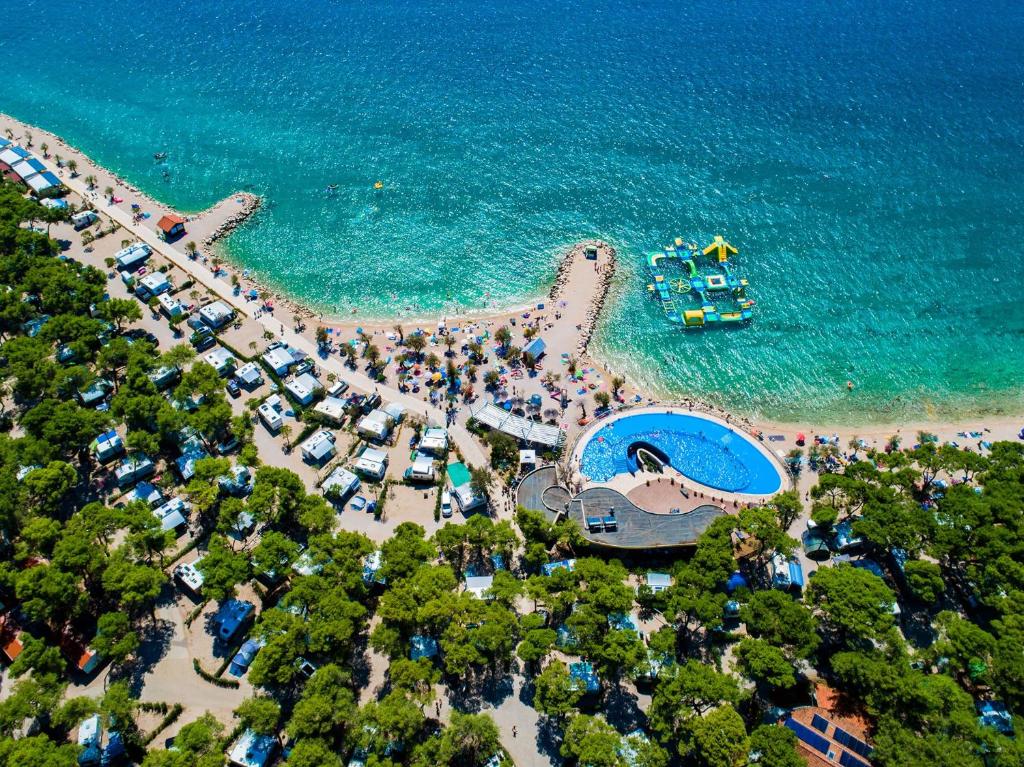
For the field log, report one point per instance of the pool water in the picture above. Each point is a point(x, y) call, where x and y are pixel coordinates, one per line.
point(703, 450)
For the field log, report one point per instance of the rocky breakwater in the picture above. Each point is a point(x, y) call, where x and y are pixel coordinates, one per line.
point(588, 268)
point(249, 204)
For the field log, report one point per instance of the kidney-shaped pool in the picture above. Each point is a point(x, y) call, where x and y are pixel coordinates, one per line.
point(705, 450)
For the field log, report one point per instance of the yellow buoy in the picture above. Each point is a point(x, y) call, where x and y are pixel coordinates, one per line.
point(379, 185)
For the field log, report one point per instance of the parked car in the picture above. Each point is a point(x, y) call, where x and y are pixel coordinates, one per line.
point(233, 388)
point(446, 504)
point(244, 657)
point(202, 339)
point(138, 334)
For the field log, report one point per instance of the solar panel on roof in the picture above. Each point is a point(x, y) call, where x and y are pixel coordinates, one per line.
point(808, 736)
point(849, 760)
point(819, 723)
point(852, 743)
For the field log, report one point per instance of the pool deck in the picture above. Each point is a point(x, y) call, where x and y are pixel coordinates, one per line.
point(627, 484)
point(638, 528)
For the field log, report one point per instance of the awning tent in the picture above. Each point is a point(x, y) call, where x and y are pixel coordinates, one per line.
point(516, 426)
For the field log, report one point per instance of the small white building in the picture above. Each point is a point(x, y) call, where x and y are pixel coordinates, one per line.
point(170, 306)
point(164, 376)
point(527, 459)
point(270, 412)
point(318, 448)
point(479, 585)
point(372, 463)
point(152, 284)
point(395, 411)
point(433, 440)
point(304, 388)
point(238, 481)
point(221, 360)
point(249, 375)
point(173, 515)
point(132, 469)
point(332, 409)
point(83, 219)
point(375, 425)
point(90, 731)
point(132, 257)
point(107, 446)
point(216, 314)
point(658, 582)
point(190, 576)
point(467, 499)
point(340, 484)
point(279, 357)
point(422, 469)
point(252, 750)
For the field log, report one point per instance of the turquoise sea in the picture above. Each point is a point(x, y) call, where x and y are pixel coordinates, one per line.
point(867, 158)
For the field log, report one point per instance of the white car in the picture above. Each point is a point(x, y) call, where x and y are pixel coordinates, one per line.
point(446, 504)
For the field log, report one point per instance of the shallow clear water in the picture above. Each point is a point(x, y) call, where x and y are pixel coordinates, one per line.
point(866, 158)
point(705, 451)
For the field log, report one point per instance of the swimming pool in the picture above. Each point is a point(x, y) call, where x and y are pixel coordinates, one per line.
point(702, 449)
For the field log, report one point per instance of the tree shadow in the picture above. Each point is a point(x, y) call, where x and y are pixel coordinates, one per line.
point(549, 740)
point(154, 642)
point(497, 689)
point(916, 625)
point(491, 688)
point(622, 710)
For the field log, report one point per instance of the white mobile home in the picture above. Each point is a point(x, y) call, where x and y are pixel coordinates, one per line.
point(332, 409)
point(318, 448)
point(221, 360)
point(279, 357)
point(152, 284)
point(190, 576)
point(433, 440)
point(170, 306)
point(422, 469)
point(304, 388)
point(132, 257)
point(249, 375)
point(270, 412)
point(372, 463)
point(375, 425)
point(340, 484)
point(216, 314)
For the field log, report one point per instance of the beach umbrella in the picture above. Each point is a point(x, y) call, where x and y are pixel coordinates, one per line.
point(253, 293)
point(721, 248)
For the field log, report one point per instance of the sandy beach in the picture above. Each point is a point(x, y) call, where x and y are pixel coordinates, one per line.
point(564, 317)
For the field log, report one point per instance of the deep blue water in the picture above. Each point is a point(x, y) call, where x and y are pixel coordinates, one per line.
point(866, 157)
point(705, 451)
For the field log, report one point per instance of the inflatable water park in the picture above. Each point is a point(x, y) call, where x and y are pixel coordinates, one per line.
point(697, 287)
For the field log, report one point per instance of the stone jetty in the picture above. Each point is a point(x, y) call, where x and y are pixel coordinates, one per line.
point(587, 278)
point(250, 203)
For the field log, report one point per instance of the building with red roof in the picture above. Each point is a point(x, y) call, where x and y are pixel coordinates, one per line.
point(171, 226)
point(830, 733)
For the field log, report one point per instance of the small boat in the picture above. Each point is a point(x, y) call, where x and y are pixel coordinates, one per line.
point(379, 185)
point(331, 188)
point(158, 156)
